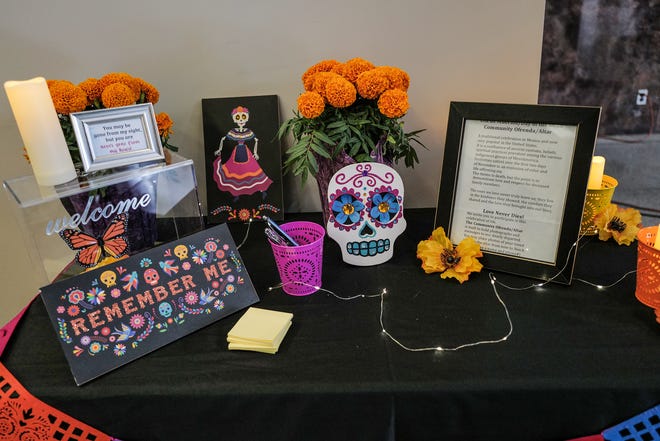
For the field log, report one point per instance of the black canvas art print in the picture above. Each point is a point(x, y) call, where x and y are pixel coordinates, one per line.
point(242, 156)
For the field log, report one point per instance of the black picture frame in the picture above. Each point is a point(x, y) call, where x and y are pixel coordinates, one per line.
point(233, 201)
point(494, 137)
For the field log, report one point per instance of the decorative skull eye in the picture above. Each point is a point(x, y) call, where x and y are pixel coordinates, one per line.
point(346, 209)
point(384, 207)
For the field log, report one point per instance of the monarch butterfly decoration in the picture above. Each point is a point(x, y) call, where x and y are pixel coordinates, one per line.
point(91, 250)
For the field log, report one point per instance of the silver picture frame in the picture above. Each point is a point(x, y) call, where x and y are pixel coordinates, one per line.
point(116, 137)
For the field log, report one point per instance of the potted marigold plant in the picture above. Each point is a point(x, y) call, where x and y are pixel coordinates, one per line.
point(349, 112)
point(116, 89)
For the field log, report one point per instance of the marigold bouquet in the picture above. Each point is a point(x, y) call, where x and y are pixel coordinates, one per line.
point(352, 108)
point(116, 89)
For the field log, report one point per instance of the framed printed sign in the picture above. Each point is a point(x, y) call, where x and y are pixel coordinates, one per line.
point(514, 177)
point(118, 136)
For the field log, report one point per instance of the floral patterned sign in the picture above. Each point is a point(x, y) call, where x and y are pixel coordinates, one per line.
point(112, 315)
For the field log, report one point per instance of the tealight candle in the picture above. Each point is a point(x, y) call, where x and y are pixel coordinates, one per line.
point(596, 173)
point(41, 131)
point(656, 245)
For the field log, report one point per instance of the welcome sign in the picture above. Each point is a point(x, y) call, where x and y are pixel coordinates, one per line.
point(117, 313)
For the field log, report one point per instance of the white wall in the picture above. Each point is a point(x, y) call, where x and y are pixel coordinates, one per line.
point(468, 50)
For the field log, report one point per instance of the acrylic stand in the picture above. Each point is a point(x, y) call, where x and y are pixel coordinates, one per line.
point(160, 203)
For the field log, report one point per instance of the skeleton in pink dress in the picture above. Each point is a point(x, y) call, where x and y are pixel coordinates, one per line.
point(241, 174)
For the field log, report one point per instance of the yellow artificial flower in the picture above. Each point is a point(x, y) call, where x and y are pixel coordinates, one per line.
point(67, 97)
point(321, 66)
point(620, 223)
point(340, 92)
point(393, 103)
point(117, 95)
point(438, 254)
point(310, 104)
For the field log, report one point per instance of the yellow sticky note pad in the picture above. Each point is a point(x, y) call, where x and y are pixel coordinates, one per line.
point(259, 329)
point(240, 347)
point(248, 345)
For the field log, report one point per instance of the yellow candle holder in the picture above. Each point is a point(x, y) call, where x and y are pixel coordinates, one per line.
point(648, 269)
point(596, 201)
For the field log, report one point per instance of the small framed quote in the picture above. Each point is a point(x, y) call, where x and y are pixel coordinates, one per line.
point(514, 177)
point(116, 137)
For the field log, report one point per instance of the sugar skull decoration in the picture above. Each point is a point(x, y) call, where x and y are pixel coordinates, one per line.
point(366, 206)
point(151, 276)
point(108, 278)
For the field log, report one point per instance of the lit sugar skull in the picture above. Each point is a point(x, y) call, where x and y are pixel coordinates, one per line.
point(108, 278)
point(366, 212)
point(165, 309)
point(151, 276)
point(181, 251)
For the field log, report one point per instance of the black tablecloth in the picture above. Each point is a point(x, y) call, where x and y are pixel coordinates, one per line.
point(580, 359)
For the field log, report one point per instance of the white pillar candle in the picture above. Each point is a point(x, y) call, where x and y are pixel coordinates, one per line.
point(40, 129)
point(596, 173)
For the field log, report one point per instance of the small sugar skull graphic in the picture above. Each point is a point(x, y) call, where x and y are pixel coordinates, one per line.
point(165, 309)
point(108, 278)
point(181, 251)
point(151, 276)
point(366, 204)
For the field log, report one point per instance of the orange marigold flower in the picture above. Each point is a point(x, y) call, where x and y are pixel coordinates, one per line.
point(340, 92)
point(321, 66)
point(393, 103)
point(117, 95)
point(92, 88)
point(148, 93)
point(370, 84)
point(338, 69)
point(123, 78)
point(164, 123)
point(319, 81)
point(354, 67)
point(67, 97)
point(620, 223)
point(310, 104)
point(438, 255)
point(399, 79)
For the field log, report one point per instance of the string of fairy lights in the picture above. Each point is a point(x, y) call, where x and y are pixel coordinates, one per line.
point(494, 282)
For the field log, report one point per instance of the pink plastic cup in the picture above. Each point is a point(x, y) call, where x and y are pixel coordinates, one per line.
point(300, 266)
